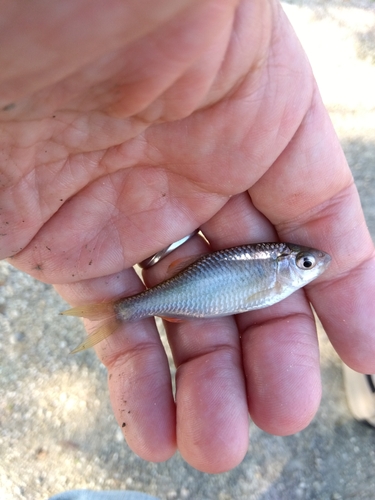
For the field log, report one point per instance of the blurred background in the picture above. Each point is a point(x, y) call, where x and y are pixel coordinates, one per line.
point(57, 431)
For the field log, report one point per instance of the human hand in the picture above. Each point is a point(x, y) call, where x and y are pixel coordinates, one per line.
point(136, 123)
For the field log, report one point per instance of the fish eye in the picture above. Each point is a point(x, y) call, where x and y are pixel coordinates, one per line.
point(305, 261)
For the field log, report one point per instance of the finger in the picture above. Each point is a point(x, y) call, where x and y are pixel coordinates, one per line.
point(314, 201)
point(212, 417)
point(279, 343)
point(138, 371)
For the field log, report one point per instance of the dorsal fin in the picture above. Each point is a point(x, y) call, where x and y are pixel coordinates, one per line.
point(179, 265)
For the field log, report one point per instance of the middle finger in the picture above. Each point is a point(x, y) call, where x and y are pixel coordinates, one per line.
point(212, 416)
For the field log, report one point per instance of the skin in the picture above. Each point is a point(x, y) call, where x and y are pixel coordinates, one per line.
point(126, 126)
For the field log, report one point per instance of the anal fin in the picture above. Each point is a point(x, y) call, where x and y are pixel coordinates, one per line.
point(172, 320)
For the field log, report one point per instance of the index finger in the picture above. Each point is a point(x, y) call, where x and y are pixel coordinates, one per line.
point(314, 201)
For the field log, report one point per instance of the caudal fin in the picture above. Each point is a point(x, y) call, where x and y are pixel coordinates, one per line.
point(96, 312)
point(101, 333)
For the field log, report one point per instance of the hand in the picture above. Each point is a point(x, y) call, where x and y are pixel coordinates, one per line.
point(124, 128)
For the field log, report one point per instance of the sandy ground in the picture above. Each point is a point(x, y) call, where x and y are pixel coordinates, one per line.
point(57, 428)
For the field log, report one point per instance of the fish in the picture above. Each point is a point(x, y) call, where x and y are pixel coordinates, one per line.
point(221, 283)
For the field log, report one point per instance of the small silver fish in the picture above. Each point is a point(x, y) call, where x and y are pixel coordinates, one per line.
point(222, 283)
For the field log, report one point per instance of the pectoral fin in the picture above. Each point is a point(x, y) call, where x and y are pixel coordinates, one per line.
point(264, 297)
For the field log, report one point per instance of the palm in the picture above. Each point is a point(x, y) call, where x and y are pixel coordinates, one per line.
point(121, 158)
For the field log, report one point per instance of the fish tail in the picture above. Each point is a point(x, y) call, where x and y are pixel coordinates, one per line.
point(95, 312)
point(105, 313)
point(99, 334)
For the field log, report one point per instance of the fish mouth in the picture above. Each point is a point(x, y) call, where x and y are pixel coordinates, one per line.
point(325, 259)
